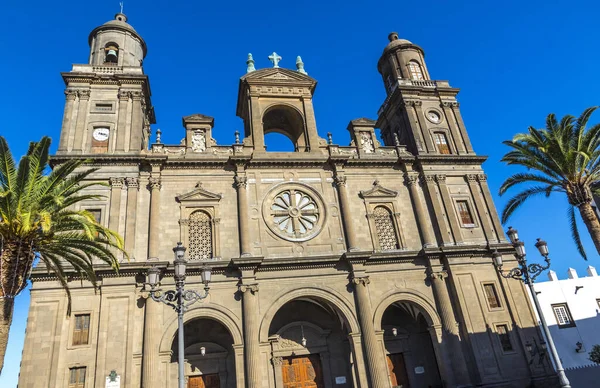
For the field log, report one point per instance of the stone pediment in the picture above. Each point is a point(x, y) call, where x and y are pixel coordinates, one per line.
point(199, 195)
point(363, 121)
point(378, 191)
point(198, 119)
point(277, 74)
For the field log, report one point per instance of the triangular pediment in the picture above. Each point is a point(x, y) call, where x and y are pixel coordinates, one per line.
point(277, 74)
point(199, 194)
point(378, 191)
point(363, 121)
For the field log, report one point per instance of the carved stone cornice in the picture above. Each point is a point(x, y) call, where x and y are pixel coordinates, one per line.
point(361, 280)
point(154, 183)
point(70, 94)
point(253, 288)
point(84, 94)
point(132, 182)
point(116, 183)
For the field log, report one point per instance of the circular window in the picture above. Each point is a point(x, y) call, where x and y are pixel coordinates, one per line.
point(434, 116)
point(294, 213)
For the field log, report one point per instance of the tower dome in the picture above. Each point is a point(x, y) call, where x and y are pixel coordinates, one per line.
point(401, 59)
point(117, 43)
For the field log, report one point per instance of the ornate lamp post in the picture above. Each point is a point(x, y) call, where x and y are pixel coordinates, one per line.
point(179, 298)
point(527, 274)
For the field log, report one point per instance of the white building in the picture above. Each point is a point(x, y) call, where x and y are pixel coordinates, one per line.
point(572, 311)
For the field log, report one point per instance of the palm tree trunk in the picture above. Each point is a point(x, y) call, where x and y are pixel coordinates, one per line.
point(590, 219)
point(6, 314)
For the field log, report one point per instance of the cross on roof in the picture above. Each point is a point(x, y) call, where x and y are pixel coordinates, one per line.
point(275, 59)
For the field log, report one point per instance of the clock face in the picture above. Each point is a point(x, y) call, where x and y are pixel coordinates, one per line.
point(434, 116)
point(101, 134)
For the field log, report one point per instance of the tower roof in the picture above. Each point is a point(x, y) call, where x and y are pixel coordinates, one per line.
point(395, 41)
point(118, 23)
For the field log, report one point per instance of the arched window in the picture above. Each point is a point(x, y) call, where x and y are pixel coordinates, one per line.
point(415, 70)
point(200, 236)
point(111, 53)
point(288, 122)
point(384, 227)
point(441, 142)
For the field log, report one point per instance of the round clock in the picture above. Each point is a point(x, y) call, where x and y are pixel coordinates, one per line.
point(434, 116)
point(101, 134)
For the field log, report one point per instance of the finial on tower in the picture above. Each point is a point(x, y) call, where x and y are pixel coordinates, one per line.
point(275, 59)
point(121, 5)
point(300, 66)
point(158, 133)
point(393, 36)
point(250, 62)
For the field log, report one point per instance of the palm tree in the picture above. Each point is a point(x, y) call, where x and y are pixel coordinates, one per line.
point(565, 158)
point(39, 223)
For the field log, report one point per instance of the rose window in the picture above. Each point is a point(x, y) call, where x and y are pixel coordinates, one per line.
point(294, 213)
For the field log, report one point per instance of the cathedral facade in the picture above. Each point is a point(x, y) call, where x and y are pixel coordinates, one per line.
point(367, 265)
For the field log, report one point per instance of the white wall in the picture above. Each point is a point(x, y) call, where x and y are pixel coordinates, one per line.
point(584, 311)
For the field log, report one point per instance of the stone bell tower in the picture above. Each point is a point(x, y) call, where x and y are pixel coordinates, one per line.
point(278, 100)
point(108, 108)
point(421, 113)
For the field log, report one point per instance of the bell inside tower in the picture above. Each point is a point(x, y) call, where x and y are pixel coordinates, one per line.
point(112, 53)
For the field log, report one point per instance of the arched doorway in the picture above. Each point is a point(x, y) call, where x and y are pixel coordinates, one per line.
point(310, 345)
point(209, 355)
point(409, 349)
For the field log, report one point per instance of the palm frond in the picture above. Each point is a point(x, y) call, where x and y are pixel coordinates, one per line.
point(575, 231)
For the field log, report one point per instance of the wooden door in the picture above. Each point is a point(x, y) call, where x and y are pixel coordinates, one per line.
point(302, 372)
point(397, 370)
point(204, 381)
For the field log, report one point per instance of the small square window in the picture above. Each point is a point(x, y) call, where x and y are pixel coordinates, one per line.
point(103, 107)
point(464, 212)
point(563, 315)
point(504, 337)
point(491, 295)
point(77, 377)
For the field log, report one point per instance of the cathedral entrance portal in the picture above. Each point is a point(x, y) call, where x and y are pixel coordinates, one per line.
point(209, 355)
point(310, 346)
point(302, 372)
point(409, 349)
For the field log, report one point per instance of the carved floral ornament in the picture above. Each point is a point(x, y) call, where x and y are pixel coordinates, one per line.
point(294, 212)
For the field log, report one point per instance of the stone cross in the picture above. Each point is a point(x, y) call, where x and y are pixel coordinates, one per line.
point(275, 59)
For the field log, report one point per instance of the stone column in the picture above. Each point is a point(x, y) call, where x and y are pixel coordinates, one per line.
point(489, 202)
point(450, 210)
point(311, 125)
point(137, 122)
point(82, 111)
point(152, 328)
point(458, 374)
point(432, 188)
point(375, 362)
point(251, 334)
point(65, 133)
point(340, 182)
point(116, 186)
point(241, 183)
point(481, 209)
point(461, 126)
point(412, 180)
point(153, 235)
point(132, 195)
point(456, 134)
point(277, 362)
point(122, 120)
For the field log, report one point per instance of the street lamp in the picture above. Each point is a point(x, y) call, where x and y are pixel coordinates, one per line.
point(180, 298)
point(527, 274)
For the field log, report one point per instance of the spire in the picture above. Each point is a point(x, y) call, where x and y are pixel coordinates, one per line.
point(250, 64)
point(300, 66)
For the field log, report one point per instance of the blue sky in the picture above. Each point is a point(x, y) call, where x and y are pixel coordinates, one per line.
point(515, 62)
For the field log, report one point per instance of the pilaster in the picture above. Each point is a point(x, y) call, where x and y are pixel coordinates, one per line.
point(412, 180)
point(489, 203)
point(82, 113)
point(122, 120)
point(432, 189)
point(417, 130)
point(251, 328)
point(154, 238)
point(461, 126)
point(70, 96)
point(116, 187)
point(132, 195)
point(137, 122)
point(449, 207)
point(423, 126)
point(241, 184)
point(340, 183)
point(456, 134)
point(481, 209)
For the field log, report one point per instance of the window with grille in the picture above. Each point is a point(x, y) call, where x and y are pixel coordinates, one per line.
point(200, 235)
point(504, 337)
point(415, 70)
point(441, 142)
point(464, 212)
point(81, 331)
point(384, 227)
point(491, 295)
point(77, 377)
point(563, 315)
